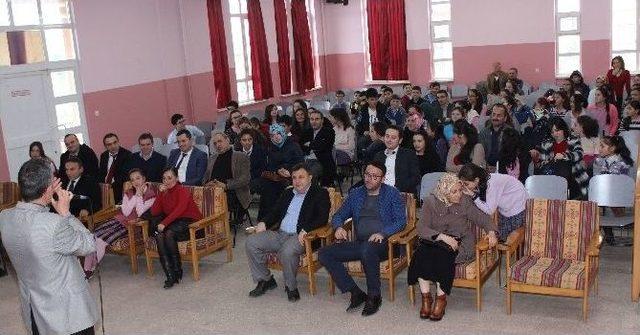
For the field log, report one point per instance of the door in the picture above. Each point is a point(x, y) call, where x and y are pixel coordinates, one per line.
point(27, 115)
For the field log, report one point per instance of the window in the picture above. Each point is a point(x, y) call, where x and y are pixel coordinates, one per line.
point(38, 35)
point(241, 49)
point(624, 32)
point(441, 45)
point(568, 37)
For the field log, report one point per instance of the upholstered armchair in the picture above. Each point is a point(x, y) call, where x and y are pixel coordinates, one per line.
point(396, 261)
point(108, 206)
point(206, 236)
point(561, 251)
point(317, 238)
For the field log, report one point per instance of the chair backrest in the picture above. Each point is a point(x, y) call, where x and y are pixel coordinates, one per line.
point(429, 182)
point(135, 148)
point(106, 193)
point(560, 229)
point(9, 192)
point(336, 201)
point(205, 126)
point(526, 88)
point(459, 91)
point(157, 141)
point(164, 149)
point(546, 187)
point(322, 106)
point(612, 190)
point(410, 203)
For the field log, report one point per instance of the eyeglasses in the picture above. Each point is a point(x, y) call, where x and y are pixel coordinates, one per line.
point(372, 176)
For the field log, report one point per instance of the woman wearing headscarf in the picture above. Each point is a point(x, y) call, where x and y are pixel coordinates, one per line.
point(446, 238)
point(282, 154)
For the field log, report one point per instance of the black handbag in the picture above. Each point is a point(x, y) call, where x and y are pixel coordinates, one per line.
point(439, 244)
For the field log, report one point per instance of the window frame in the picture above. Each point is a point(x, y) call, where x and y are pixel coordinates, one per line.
point(436, 40)
point(246, 50)
point(559, 33)
point(636, 51)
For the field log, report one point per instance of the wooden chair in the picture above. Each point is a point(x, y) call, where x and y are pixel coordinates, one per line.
point(561, 251)
point(108, 204)
point(475, 273)
point(309, 260)
point(9, 194)
point(216, 234)
point(130, 245)
point(390, 268)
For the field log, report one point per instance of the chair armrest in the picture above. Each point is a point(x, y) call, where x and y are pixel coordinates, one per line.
point(322, 232)
point(203, 223)
point(514, 240)
point(348, 225)
point(407, 238)
point(594, 245)
point(6, 206)
point(104, 215)
point(482, 245)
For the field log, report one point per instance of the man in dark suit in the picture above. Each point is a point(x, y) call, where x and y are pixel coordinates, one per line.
point(190, 162)
point(401, 163)
point(297, 212)
point(318, 142)
point(114, 165)
point(440, 110)
point(370, 113)
point(148, 160)
point(256, 153)
point(83, 152)
point(83, 184)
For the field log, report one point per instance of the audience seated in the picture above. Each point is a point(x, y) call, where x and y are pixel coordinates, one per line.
point(406, 97)
point(402, 170)
point(560, 104)
point(85, 154)
point(189, 161)
point(631, 121)
point(370, 113)
point(561, 155)
point(378, 212)
point(359, 100)
point(301, 123)
point(496, 191)
point(271, 115)
point(282, 155)
point(428, 160)
point(345, 142)
point(600, 82)
point(298, 211)
point(375, 144)
point(416, 96)
point(619, 79)
point(496, 79)
point(466, 148)
point(474, 97)
point(440, 110)
point(446, 238)
point(396, 114)
point(231, 171)
point(340, 101)
point(578, 85)
point(115, 163)
point(36, 151)
point(471, 115)
point(521, 114)
point(456, 114)
point(586, 129)
point(257, 156)
point(432, 96)
point(385, 96)
point(148, 160)
point(136, 201)
point(490, 136)
point(179, 123)
point(513, 158)
point(287, 122)
point(576, 102)
point(512, 76)
point(436, 138)
point(635, 94)
point(82, 184)
point(415, 123)
point(172, 212)
point(317, 145)
point(233, 132)
point(604, 112)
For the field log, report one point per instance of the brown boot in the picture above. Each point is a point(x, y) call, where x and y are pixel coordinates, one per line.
point(438, 310)
point(427, 302)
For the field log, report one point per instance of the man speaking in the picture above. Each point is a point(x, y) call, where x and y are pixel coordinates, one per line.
point(43, 248)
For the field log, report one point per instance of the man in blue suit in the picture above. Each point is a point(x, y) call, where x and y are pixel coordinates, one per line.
point(190, 162)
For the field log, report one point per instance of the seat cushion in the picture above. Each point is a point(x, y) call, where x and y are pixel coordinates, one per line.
point(122, 244)
point(201, 243)
point(272, 259)
point(467, 270)
point(549, 272)
point(356, 266)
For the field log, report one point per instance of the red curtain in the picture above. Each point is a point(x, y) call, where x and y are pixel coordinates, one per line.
point(260, 66)
point(219, 53)
point(282, 39)
point(387, 39)
point(305, 75)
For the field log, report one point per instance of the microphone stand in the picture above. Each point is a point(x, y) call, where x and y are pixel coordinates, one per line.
point(97, 269)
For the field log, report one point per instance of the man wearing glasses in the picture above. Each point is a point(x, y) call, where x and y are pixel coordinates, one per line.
point(178, 121)
point(378, 212)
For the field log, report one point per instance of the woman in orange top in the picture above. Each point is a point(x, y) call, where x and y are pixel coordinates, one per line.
point(173, 211)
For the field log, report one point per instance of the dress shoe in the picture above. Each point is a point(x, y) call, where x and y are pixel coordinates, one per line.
point(88, 274)
point(357, 299)
point(427, 302)
point(292, 295)
point(263, 286)
point(438, 310)
point(371, 306)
